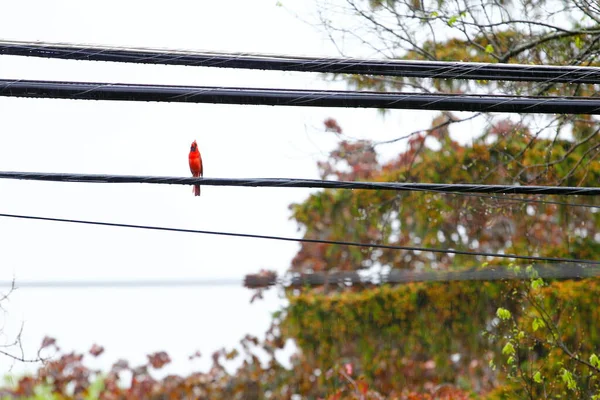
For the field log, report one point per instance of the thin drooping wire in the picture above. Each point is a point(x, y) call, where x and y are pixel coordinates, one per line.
point(298, 97)
point(455, 188)
point(296, 280)
point(522, 200)
point(403, 68)
point(141, 283)
point(400, 276)
point(511, 199)
point(291, 239)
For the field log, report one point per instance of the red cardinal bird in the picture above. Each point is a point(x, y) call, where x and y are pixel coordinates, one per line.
point(195, 165)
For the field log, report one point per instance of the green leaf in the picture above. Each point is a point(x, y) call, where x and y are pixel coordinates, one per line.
point(537, 378)
point(537, 324)
point(532, 273)
point(595, 361)
point(452, 20)
point(489, 49)
point(511, 360)
point(537, 283)
point(508, 349)
point(503, 313)
point(567, 377)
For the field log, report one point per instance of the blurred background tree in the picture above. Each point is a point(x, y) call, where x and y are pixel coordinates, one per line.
point(533, 339)
point(419, 336)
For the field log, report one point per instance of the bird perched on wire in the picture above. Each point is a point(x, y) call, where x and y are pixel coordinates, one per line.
point(195, 165)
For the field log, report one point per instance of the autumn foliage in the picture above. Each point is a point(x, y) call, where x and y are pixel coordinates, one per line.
point(527, 339)
point(487, 223)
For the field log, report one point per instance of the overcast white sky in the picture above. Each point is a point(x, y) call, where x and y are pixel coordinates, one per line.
point(153, 139)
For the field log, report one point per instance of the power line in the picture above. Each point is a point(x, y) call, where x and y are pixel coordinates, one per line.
point(143, 283)
point(455, 188)
point(405, 68)
point(402, 276)
point(297, 97)
point(291, 239)
point(343, 279)
point(523, 200)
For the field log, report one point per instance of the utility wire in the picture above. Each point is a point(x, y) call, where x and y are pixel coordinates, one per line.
point(524, 200)
point(405, 68)
point(291, 239)
point(402, 276)
point(349, 278)
point(143, 283)
point(455, 188)
point(298, 97)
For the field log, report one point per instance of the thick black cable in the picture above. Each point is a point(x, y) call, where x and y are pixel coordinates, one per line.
point(456, 188)
point(404, 68)
point(291, 239)
point(297, 97)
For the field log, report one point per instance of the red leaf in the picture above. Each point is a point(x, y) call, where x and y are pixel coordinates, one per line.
point(332, 125)
point(159, 359)
point(337, 395)
point(363, 386)
point(48, 341)
point(96, 350)
point(195, 355)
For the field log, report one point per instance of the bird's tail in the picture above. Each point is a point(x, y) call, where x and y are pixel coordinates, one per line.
point(196, 190)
